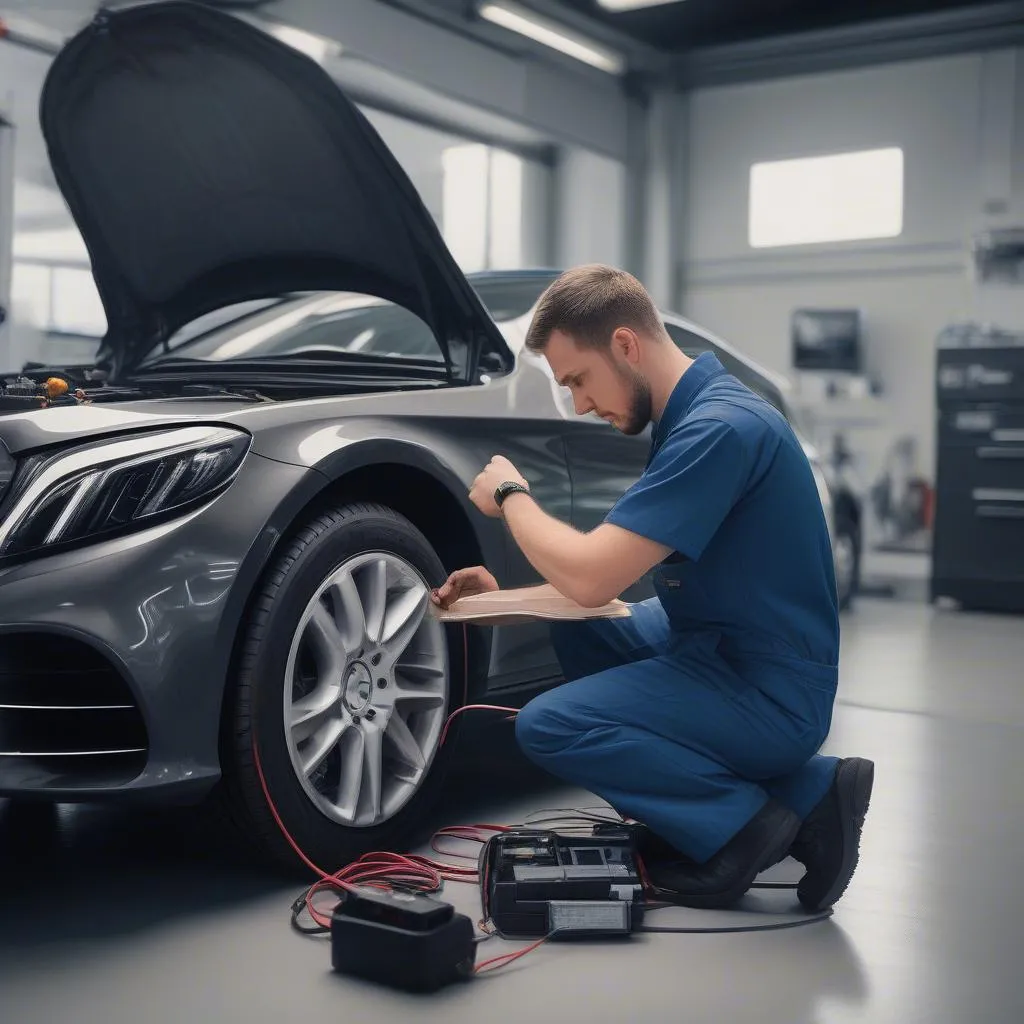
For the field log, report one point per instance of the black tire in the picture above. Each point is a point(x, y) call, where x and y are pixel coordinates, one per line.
point(254, 704)
point(848, 535)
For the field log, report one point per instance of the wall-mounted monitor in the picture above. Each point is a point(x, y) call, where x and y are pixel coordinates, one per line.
point(827, 340)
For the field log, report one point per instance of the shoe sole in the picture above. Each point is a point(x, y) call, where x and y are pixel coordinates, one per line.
point(855, 779)
point(774, 852)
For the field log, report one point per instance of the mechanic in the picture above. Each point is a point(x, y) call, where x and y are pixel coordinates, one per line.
point(700, 716)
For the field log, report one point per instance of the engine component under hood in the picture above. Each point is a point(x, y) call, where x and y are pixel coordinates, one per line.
point(207, 163)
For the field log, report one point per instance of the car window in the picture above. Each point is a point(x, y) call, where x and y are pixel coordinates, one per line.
point(511, 297)
point(694, 345)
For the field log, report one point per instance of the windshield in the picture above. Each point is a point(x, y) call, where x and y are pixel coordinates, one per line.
point(335, 322)
point(339, 322)
point(509, 298)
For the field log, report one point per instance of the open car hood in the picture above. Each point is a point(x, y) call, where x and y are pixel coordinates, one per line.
point(206, 163)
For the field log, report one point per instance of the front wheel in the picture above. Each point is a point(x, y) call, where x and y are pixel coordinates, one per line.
point(344, 685)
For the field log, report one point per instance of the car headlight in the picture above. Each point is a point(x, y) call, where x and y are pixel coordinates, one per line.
point(101, 490)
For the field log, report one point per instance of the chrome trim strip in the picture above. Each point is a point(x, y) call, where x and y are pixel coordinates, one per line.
point(996, 494)
point(70, 753)
point(67, 707)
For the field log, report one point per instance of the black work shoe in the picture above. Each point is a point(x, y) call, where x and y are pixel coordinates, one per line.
point(828, 843)
point(727, 876)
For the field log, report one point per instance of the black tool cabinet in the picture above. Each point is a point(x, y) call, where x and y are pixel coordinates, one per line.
point(978, 542)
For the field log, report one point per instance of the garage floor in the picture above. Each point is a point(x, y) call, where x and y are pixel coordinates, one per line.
point(110, 917)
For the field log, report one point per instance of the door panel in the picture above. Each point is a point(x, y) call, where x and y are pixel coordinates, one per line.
point(531, 438)
point(603, 464)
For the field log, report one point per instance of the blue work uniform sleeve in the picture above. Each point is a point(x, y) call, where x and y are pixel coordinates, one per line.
point(695, 478)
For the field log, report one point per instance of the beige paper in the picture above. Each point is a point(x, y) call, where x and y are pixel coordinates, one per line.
point(509, 607)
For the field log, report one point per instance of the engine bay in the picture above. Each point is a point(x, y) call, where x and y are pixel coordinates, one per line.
point(40, 388)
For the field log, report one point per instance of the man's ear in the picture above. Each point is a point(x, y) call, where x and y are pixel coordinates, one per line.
point(626, 344)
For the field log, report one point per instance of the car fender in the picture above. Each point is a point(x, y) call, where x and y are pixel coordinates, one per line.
point(325, 473)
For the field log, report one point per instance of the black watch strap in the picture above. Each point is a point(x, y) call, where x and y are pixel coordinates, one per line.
point(502, 491)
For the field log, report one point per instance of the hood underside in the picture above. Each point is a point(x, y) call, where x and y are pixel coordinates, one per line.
point(207, 163)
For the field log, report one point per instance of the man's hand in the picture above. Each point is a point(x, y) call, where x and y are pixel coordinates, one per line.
point(496, 472)
point(463, 583)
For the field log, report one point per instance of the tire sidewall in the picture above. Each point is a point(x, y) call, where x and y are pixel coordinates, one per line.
point(329, 844)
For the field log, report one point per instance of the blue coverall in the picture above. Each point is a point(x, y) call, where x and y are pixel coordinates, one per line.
point(716, 694)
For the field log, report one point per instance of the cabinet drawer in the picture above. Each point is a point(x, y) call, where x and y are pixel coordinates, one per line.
point(990, 466)
point(979, 532)
point(988, 425)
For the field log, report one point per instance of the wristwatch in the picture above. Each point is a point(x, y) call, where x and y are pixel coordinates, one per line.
point(502, 491)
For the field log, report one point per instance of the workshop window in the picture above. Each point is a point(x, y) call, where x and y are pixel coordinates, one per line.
point(482, 219)
point(842, 197)
point(57, 299)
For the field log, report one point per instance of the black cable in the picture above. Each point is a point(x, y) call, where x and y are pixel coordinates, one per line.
point(735, 929)
point(305, 929)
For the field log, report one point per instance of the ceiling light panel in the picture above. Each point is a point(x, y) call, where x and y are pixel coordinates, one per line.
point(633, 5)
point(551, 34)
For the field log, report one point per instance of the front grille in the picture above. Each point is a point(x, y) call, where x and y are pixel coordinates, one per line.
point(67, 717)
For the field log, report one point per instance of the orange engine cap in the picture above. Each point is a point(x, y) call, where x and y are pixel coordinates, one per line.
point(56, 386)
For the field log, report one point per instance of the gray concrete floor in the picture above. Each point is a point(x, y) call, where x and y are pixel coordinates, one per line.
point(113, 916)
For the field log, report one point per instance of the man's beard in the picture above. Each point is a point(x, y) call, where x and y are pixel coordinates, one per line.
point(639, 414)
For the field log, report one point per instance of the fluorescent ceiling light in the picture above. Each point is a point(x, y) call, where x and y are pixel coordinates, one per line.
point(632, 5)
point(305, 42)
point(549, 33)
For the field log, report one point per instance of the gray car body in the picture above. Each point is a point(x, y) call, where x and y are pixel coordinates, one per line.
point(165, 605)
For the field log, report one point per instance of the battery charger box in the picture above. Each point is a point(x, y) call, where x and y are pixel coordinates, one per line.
point(538, 882)
point(401, 939)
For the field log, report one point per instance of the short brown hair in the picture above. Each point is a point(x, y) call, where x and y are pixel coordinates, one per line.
point(590, 303)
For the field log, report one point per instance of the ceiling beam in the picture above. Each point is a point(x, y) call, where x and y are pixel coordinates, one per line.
point(917, 37)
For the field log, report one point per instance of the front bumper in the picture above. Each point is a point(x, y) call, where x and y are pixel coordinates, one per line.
point(113, 658)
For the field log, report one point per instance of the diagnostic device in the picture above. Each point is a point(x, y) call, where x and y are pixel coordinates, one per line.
point(536, 882)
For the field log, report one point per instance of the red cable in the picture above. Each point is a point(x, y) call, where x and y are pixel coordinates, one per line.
point(506, 958)
point(383, 869)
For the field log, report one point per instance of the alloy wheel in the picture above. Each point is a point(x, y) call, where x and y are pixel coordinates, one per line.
point(366, 690)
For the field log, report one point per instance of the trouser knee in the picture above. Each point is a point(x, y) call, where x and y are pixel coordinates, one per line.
point(541, 731)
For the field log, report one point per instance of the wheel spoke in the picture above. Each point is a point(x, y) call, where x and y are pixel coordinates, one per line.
point(373, 771)
point(351, 782)
point(327, 640)
point(421, 670)
point(403, 618)
point(422, 682)
point(321, 744)
point(309, 712)
point(350, 607)
point(422, 696)
point(403, 743)
point(376, 600)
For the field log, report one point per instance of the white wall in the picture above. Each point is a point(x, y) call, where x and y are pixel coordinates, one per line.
point(951, 116)
point(6, 234)
point(590, 207)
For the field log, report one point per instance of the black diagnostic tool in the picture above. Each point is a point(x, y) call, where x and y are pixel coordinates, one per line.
point(536, 883)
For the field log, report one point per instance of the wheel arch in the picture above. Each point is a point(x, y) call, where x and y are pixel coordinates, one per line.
point(405, 477)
